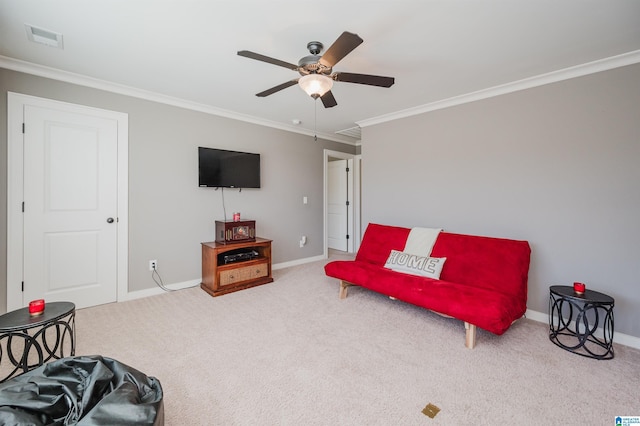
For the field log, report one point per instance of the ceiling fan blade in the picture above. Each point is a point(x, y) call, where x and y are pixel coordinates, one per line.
point(340, 48)
point(371, 80)
point(259, 57)
point(328, 100)
point(277, 88)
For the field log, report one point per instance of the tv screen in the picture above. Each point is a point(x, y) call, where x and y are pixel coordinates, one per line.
point(228, 169)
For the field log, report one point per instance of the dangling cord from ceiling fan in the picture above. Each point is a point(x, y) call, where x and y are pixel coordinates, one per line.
point(315, 119)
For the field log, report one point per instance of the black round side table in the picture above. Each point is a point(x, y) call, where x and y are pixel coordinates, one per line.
point(581, 323)
point(30, 341)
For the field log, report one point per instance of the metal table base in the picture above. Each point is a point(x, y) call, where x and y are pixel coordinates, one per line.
point(581, 323)
point(28, 341)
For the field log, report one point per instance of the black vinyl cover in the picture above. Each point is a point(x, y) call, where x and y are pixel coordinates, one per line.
point(83, 390)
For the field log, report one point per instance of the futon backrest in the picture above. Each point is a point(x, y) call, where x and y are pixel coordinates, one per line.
point(494, 263)
point(379, 240)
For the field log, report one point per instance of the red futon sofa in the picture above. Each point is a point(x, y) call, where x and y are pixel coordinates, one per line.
point(483, 280)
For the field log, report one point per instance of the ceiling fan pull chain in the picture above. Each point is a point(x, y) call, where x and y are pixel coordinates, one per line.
point(315, 119)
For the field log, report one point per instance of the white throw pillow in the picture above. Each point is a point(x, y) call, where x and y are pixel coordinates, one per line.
point(416, 265)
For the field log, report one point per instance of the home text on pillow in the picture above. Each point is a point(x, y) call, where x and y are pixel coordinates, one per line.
point(417, 265)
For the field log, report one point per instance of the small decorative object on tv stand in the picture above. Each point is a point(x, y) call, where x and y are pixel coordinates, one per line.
point(231, 232)
point(219, 278)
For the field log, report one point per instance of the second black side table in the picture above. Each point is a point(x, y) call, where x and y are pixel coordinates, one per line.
point(581, 323)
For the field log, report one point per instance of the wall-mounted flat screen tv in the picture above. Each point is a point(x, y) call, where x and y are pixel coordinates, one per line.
point(220, 168)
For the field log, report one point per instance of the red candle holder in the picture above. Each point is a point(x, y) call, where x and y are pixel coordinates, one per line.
point(36, 307)
point(579, 287)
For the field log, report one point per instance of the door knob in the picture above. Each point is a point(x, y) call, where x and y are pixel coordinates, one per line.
point(110, 220)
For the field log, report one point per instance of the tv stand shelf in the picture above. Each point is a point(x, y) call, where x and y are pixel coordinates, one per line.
point(219, 278)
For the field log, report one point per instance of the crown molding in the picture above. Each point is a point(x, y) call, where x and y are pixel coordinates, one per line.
point(94, 83)
point(605, 64)
point(624, 59)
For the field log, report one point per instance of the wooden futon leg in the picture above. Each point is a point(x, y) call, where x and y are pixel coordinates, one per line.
point(343, 289)
point(471, 335)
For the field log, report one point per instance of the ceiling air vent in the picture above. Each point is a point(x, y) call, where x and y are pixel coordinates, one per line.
point(42, 36)
point(352, 132)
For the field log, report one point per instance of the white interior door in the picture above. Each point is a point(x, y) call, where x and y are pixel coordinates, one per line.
point(338, 205)
point(70, 206)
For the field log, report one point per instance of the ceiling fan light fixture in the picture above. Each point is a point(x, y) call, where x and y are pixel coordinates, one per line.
point(315, 85)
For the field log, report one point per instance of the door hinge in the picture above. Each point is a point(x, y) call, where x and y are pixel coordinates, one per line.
point(347, 169)
point(347, 236)
point(23, 207)
point(22, 286)
point(23, 127)
point(348, 203)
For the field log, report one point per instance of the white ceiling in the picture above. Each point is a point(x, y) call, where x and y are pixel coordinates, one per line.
point(436, 50)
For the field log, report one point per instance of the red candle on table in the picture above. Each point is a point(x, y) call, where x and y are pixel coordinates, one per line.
point(36, 307)
point(579, 287)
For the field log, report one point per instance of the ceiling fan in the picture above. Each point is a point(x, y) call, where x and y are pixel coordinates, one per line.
point(317, 71)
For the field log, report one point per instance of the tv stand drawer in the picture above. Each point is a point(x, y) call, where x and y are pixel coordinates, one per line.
point(237, 275)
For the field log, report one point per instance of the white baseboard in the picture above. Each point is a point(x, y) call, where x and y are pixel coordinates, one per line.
point(193, 283)
point(621, 338)
point(297, 262)
point(537, 316)
point(157, 290)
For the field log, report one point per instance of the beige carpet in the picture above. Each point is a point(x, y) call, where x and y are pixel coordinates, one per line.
point(292, 353)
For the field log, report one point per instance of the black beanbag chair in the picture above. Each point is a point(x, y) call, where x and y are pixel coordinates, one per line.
point(83, 390)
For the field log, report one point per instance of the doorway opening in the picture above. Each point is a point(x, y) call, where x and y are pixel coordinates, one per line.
point(341, 201)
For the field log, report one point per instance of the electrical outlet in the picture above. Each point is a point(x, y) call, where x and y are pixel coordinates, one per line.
point(153, 265)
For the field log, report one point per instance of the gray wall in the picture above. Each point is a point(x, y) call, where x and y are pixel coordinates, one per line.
point(169, 216)
point(556, 165)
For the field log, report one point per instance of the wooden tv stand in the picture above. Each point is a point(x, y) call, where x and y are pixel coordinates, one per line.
point(219, 278)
